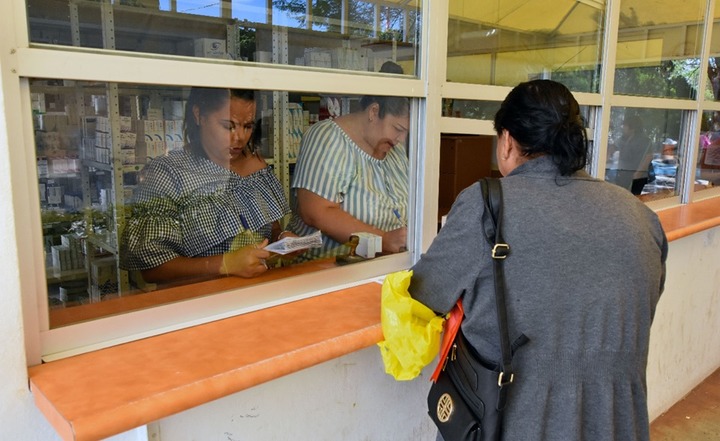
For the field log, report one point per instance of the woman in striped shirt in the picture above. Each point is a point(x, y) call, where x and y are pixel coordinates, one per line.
point(352, 176)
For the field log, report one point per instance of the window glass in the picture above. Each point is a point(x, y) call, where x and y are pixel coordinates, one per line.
point(482, 110)
point(643, 151)
point(708, 163)
point(471, 109)
point(295, 32)
point(505, 43)
point(658, 48)
point(120, 193)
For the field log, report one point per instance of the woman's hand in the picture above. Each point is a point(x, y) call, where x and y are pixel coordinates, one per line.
point(248, 261)
point(289, 257)
point(395, 241)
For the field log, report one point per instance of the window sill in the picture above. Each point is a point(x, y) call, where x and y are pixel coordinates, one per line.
point(684, 220)
point(110, 391)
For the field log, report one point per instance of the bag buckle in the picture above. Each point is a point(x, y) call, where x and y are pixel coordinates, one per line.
point(500, 251)
point(501, 382)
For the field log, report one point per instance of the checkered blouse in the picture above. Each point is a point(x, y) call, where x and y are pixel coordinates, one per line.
point(189, 206)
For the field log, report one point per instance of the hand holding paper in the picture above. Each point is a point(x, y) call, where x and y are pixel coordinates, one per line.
point(291, 244)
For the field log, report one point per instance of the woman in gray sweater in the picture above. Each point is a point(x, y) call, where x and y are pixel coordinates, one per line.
point(584, 275)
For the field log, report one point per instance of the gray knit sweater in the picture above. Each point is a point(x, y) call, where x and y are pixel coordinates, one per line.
point(585, 272)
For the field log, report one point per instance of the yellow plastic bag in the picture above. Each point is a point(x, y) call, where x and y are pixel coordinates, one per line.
point(411, 330)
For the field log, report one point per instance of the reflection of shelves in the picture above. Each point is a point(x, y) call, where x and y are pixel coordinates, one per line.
point(128, 168)
point(132, 24)
point(394, 50)
point(55, 275)
point(103, 243)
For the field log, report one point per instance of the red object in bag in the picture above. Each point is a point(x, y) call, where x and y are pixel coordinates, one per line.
point(452, 325)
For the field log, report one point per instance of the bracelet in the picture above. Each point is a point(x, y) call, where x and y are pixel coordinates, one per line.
point(280, 236)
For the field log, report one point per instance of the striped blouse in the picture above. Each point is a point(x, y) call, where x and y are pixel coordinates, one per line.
point(189, 206)
point(372, 190)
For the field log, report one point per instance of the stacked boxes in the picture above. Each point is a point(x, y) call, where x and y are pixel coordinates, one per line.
point(299, 121)
point(155, 137)
point(68, 255)
point(103, 140)
point(103, 278)
point(104, 143)
point(150, 139)
point(173, 134)
point(347, 58)
point(139, 139)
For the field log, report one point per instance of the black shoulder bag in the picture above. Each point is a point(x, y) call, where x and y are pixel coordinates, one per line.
point(468, 398)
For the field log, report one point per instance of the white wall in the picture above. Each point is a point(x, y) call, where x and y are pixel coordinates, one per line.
point(685, 338)
point(346, 399)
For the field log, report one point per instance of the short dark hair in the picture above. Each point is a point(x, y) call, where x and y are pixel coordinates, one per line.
point(544, 118)
point(389, 105)
point(207, 99)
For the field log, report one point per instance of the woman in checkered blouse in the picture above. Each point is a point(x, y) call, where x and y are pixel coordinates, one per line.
point(211, 208)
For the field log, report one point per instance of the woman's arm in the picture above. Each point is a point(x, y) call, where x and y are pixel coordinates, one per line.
point(332, 220)
point(248, 261)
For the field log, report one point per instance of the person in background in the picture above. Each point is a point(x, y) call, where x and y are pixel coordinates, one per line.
point(634, 154)
point(584, 275)
point(209, 209)
point(352, 176)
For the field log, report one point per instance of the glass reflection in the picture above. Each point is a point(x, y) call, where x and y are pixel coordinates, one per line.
point(658, 48)
point(643, 151)
point(470, 109)
point(158, 197)
point(708, 163)
point(335, 34)
point(505, 43)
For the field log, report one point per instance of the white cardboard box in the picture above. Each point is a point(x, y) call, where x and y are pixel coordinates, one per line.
point(369, 245)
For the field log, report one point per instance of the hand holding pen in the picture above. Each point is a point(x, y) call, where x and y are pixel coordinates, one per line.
point(395, 241)
point(248, 261)
point(396, 212)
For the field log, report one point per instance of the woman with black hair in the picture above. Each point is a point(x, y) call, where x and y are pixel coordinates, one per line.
point(352, 176)
point(211, 208)
point(584, 274)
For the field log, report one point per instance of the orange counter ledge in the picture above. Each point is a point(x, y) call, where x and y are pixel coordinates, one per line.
point(109, 391)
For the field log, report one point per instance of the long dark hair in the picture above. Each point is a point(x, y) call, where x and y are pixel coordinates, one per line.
point(544, 118)
point(208, 100)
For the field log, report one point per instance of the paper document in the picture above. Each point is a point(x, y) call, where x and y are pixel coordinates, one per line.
point(289, 244)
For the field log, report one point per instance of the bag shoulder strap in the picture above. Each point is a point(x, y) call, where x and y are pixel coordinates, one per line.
point(492, 199)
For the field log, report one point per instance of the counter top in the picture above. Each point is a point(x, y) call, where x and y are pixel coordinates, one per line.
point(99, 394)
point(688, 219)
point(112, 390)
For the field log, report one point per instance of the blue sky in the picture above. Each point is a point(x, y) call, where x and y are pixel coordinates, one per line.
point(251, 10)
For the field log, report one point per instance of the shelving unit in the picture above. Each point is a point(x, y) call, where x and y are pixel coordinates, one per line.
point(102, 168)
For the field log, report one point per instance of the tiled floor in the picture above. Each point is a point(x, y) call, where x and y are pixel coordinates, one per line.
point(694, 418)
